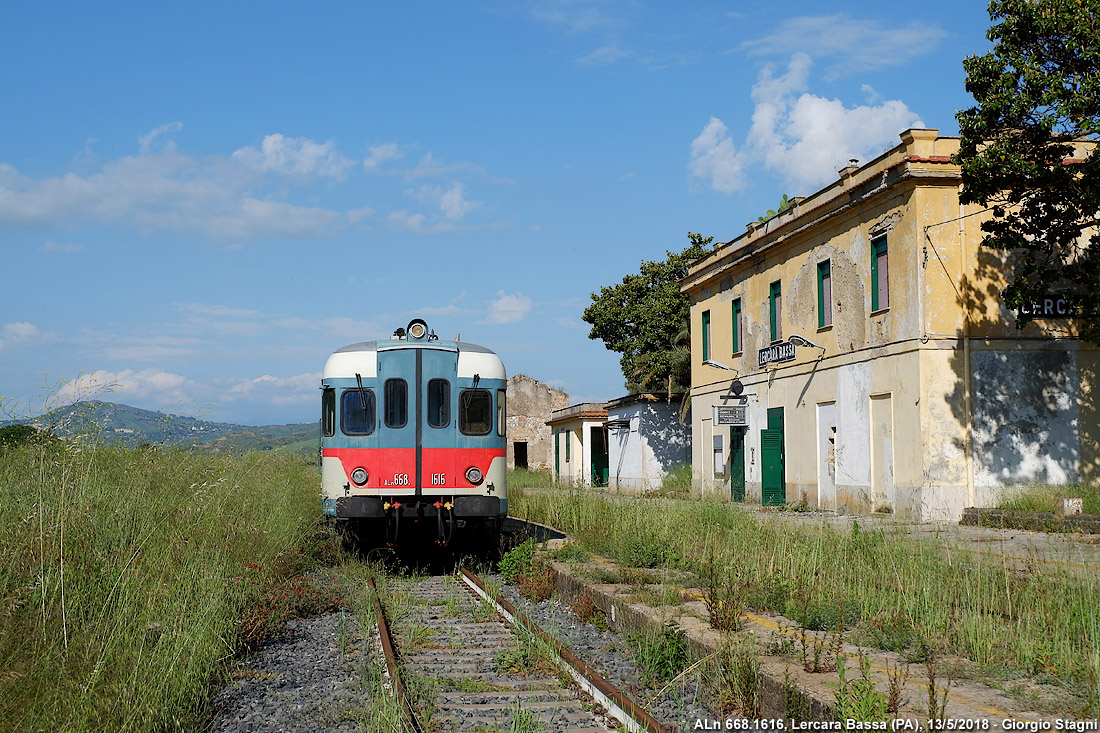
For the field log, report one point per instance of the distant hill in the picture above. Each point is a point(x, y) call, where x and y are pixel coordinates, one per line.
point(132, 426)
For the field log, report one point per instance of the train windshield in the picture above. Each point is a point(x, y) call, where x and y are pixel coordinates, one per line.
point(397, 403)
point(439, 403)
point(357, 412)
point(475, 416)
point(328, 412)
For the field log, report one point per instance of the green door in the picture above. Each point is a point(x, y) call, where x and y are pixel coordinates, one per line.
point(737, 463)
point(600, 463)
point(773, 487)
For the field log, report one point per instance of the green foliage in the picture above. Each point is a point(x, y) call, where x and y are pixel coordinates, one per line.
point(1037, 93)
point(784, 204)
point(662, 656)
point(858, 699)
point(518, 561)
point(16, 435)
point(643, 319)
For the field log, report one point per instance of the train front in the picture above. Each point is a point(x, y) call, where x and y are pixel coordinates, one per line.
point(413, 437)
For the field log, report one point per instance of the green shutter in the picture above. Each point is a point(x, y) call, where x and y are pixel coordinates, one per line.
point(824, 299)
point(879, 279)
point(737, 326)
point(706, 335)
point(773, 310)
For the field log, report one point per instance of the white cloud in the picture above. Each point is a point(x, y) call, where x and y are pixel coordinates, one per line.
point(296, 156)
point(603, 56)
point(379, 154)
point(404, 220)
point(216, 310)
point(299, 389)
point(155, 192)
point(148, 385)
point(715, 160)
point(803, 137)
point(17, 333)
point(453, 202)
point(860, 45)
point(145, 142)
point(508, 308)
point(57, 248)
point(429, 167)
point(576, 16)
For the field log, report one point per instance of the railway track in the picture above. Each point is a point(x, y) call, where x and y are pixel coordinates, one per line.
point(462, 660)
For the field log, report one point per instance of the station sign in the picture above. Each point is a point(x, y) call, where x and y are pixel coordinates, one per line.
point(736, 415)
point(776, 353)
point(1048, 307)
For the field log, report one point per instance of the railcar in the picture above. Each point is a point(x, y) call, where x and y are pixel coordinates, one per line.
point(413, 432)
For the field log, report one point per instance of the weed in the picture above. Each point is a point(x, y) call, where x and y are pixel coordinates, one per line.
point(898, 588)
point(517, 561)
point(524, 657)
point(646, 551)
point(299, 597)
point(723, 596)
point(795, 704)
point(416, 636)
point(662, 656)
point(896, 679)
point(736, 679)
point(937, 699)
point(524, 720)
point(858, 699)
point(570, 552)
point(584, 607)
point(537, 584)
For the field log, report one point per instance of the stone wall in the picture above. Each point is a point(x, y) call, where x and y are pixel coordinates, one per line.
point(530, 403)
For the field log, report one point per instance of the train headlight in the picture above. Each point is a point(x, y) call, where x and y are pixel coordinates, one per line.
point(359, 476)
point(474, 475)
point(417, 329)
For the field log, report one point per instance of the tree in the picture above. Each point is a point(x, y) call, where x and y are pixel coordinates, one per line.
point(1025, 150)
point(643, 318)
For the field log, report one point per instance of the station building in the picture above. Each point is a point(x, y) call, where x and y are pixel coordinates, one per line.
point(852, 353)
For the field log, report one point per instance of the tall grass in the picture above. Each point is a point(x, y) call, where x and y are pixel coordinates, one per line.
point(123, 574)
point(1041, 497)
point(896, 593)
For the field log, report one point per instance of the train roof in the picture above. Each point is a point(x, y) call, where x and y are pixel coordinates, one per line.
point(362, 358)
point(410, 344)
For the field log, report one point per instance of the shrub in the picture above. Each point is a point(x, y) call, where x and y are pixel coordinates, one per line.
point(517, 561)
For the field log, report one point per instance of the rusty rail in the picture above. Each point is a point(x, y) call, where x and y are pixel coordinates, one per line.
point(389, 652)
point(638, 718)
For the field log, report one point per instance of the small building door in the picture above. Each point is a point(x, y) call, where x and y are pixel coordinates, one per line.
point(519, 454)
point(773, 484)
point(737, 463)
point(600, 472)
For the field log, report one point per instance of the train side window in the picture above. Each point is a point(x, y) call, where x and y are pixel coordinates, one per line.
point(502, 414)
point(475, 412)
point(439, 403)
point(397, 403)
point(328, 412)
point(354, 419)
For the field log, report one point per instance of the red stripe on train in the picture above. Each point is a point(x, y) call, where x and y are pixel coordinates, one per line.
point(443, 468)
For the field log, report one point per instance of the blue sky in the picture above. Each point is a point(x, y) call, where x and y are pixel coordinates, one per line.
point(200, 201)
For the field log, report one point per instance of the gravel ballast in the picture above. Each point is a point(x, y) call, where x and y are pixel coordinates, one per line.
point(303, 681)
